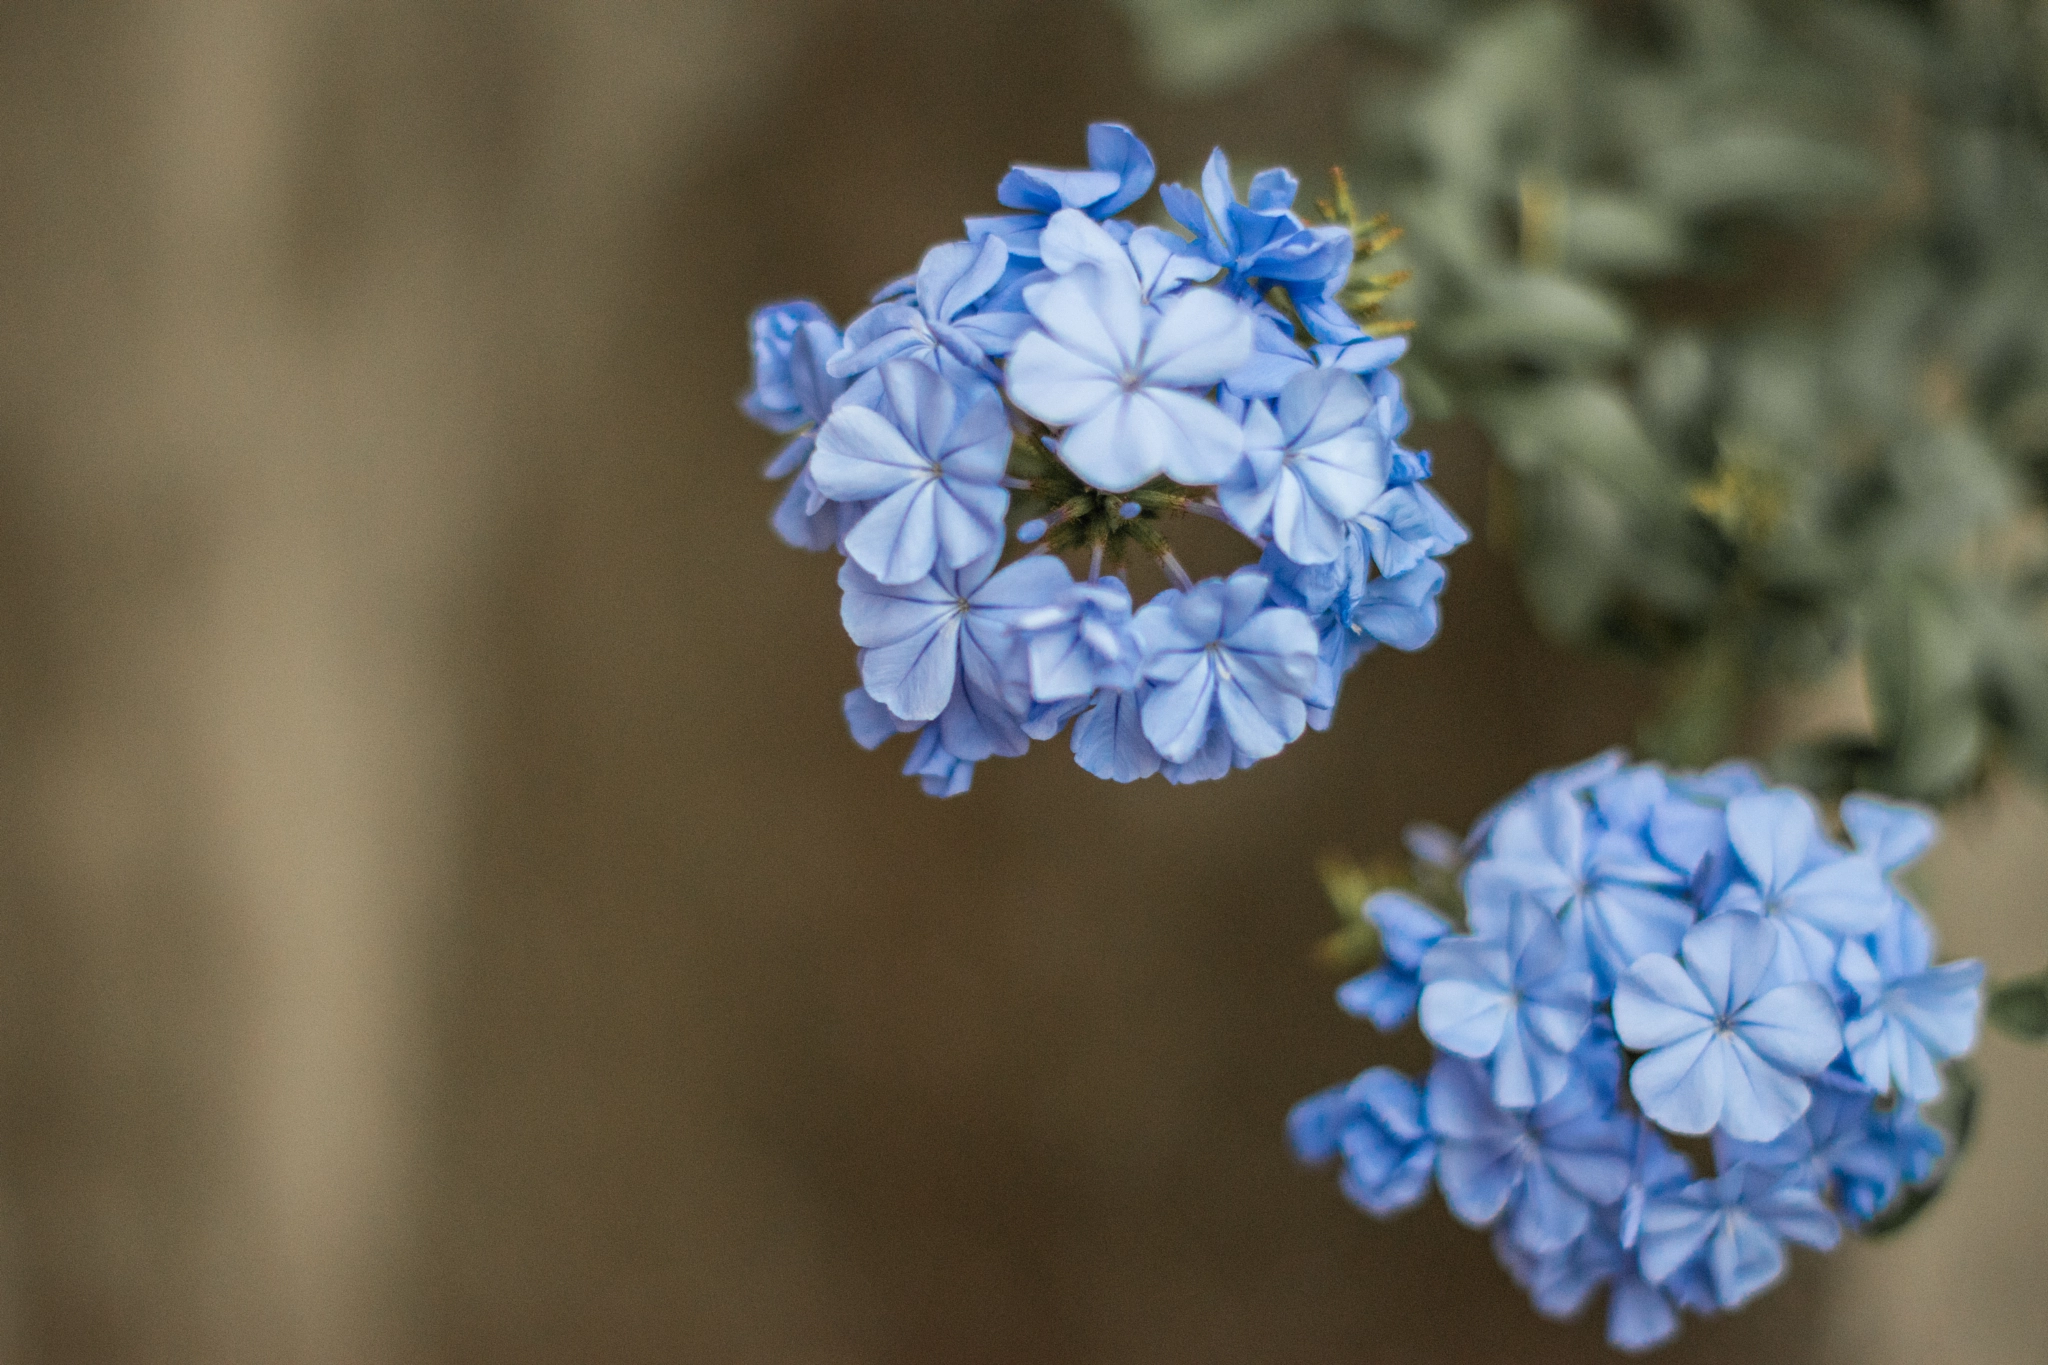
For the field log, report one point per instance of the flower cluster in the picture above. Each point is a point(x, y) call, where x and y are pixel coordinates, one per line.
point(1108, 376)
point(1652, 957)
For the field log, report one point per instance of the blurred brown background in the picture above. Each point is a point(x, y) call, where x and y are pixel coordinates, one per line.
point(442, 917)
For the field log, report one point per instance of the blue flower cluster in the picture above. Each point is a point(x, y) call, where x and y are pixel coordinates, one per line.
point(1114, 375)
point(1651, 955)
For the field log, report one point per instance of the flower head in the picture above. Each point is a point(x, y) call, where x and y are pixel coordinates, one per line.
point(1105, 371)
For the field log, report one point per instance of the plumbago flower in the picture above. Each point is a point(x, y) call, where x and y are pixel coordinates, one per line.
point(1645, 953)
point(1075, 382)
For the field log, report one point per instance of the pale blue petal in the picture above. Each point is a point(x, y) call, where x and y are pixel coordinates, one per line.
point(970, 520)
point(897, 539)
point(1219, 196)
point(1639, 1317)
point(1114, 148)
point(1760, 1101)
point(1072, 239)
point(1385, 995)
point(870, 722)
point(1773, 833)
point(1892, 833)
point(1260, 720)
point(1165, 262)
point(1941, 1006)
point(1109, 740)
point(1199, 337)
point(1462, 1016)
point(1796, 1027)
point(1745, 1260)
point(1209, 762)
point(1176, 714)
point(1408, 928)
point(1844, 896)
point(1476, 1181)
point(875, 614)
point(1657, 1003)
point(1121, 444)
point(1728, 955)
point(1673, 1232)
point(861, 455)
point(913, 677)
point(1682, 1086)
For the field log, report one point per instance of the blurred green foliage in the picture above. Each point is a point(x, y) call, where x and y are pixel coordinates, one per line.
point(1751, 297)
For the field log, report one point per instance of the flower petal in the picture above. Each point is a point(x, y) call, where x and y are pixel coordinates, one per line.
point(1199, 337)
point(1683, 1086)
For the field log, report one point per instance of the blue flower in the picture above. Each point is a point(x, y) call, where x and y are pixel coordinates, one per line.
point(1907, 1016)
point(1408, 524)
point(932, 468)
point(793, 393)
point(1517, 1000)
point(1848, 1145)
point(1615, 901)
point(1120, 171)
point(1223, 661)
point(1692, 827)
point(1891, 834)
point(939, 770)
point(1160, 263)
point(1126, 381)
point(1312, 465)
point(1736, 1224)
point(1640, 1315)
point(1081, 641)
point(954, 625)
point(1109, 738)
point(942, 328)
point(1723, 1047)
point(778, 399)
point(1277, 358)
point(1812, 892)
point(1408, 930)
point(1401, 610)
point(1546, 1168)
point(1263, 240)
point(1377, 1124)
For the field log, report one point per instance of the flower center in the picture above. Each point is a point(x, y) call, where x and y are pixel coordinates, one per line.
point(1130, 381)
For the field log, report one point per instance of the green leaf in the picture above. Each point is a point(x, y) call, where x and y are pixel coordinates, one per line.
point(1616, 234)
point(1760, 168)
point(1922, 664)
point(2019, 1009)
point(1955, 1113)
point(1529, 316)
point(1200, 45)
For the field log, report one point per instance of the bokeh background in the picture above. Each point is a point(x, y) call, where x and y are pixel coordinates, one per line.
point(441, 917)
